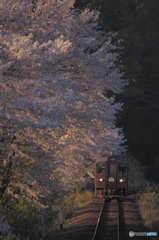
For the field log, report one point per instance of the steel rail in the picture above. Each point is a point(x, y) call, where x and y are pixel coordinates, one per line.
point(132, 192)
point(98, 221)
point(118, 221)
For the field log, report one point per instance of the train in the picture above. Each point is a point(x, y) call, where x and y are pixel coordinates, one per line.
point(111, 176)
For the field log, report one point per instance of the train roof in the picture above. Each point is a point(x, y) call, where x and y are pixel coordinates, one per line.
point(104, 157)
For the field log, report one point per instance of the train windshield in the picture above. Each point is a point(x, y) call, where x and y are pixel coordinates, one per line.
point(100, 168)
point(122, 168)
point(111, 169)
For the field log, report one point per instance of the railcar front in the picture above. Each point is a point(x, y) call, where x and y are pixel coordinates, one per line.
point(111, 177)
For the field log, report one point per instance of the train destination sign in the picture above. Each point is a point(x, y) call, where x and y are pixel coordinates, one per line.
point(111, 158)
point(111, 179)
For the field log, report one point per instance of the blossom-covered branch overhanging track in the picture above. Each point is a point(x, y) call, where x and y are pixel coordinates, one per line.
point(55, 65)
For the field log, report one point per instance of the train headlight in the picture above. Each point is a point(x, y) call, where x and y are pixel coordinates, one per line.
point(122, 180)
point(100, 179)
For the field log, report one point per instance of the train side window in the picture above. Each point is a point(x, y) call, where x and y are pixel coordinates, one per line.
point(111, 169)
point(100, 168)
point(122, 168)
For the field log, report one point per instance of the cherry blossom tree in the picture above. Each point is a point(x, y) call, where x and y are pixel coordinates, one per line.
point(55, 65)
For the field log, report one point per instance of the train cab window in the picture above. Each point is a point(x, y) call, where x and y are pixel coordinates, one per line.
point(100, 168)
point(111, 169)
point(122, 168)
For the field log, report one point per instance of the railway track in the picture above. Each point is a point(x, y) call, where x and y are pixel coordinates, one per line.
point(108, 223)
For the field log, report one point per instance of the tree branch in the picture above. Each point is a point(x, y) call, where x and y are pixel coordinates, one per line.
point(154, 105)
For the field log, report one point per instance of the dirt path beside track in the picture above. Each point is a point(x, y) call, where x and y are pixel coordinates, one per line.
point(82, 225)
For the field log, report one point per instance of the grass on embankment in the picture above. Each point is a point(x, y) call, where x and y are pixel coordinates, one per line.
point(149, 208)
point(74, 201)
